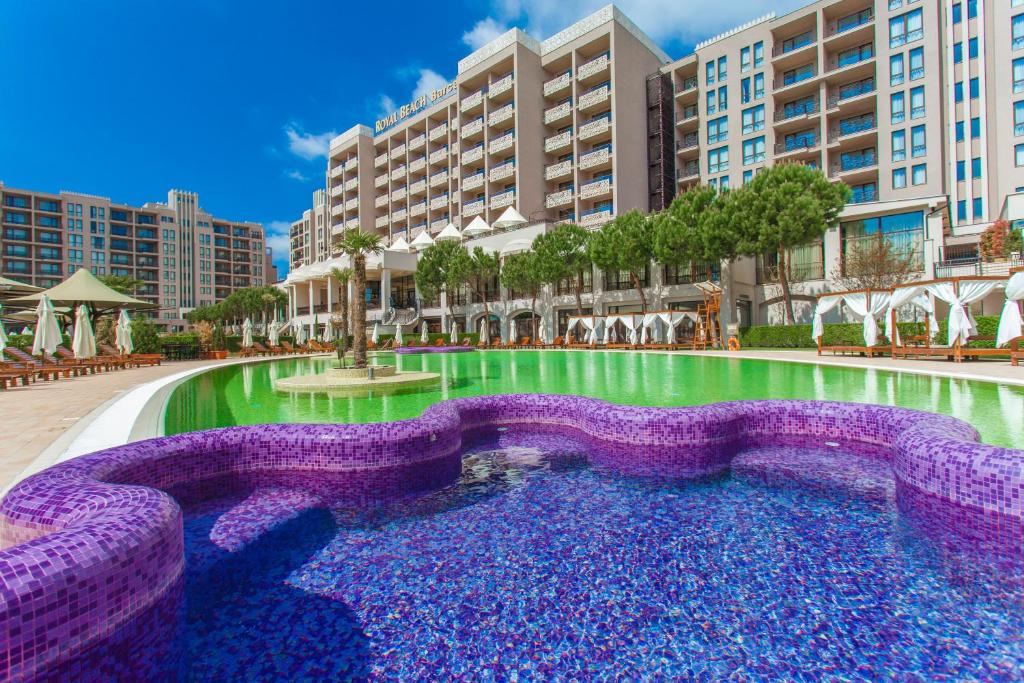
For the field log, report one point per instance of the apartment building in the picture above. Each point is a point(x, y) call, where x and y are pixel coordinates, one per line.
point(184, 256)
point(310, 236)
point(909, 102)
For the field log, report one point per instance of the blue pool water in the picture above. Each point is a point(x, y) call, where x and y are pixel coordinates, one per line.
point(536, 565)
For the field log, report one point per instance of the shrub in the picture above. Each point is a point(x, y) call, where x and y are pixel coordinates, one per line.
point(145, 337)
point(799, 336)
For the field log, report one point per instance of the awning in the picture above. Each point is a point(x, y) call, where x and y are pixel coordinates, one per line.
point(84, 288)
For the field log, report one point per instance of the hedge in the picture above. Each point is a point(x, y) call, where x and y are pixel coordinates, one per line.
point(848, 334)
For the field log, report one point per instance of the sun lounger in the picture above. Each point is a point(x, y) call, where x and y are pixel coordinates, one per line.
point(12, 376)
point(136, 359)
point(22, 361)
point(94, 364)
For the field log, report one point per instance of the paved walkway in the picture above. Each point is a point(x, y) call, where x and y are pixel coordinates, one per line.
point(33, 417)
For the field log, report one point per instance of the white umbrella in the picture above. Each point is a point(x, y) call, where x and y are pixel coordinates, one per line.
point(449, 234)
point(485, 330)
point(300, 334)
point(47, 330)
point(84, 343)
point(398, 335)
point(454, 336)
point(542, 331)
point(510, 218)
point(399, 245)
point(670, 336)
point(247, 333)
point(3, 339)
point(422, 241)
point(123, 334)
point(26, 330)
point(478, 226)
point(274, 333)
point(375, 336)
point(423, 333)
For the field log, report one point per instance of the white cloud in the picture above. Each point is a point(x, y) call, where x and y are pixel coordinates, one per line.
point(428, 80)
point(687, 21)
point(483, 32)
point(309, 146)
point(296, 175)
point(279, 240)
point(385, 105)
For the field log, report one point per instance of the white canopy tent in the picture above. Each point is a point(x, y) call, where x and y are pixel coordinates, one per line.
point(478, 226)
point(631, 321)
point(449, 234)
point(422, 241)
point(399, 245)
point(661, 325)
point(509, 218)
point(865, 304)
point(1010, 326)
point(592, 324)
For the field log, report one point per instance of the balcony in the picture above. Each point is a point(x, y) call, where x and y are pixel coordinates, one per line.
point(351, 164)
point(849, 60)
point(596, 218)
point(501, 115)
point(557, 113)
point(471, 102)
point(689, 170)
point(854, 164)
point(397, 152)
point(687, 115)
point(419, 187)
point(418, 208)
point(473, 155)
point(594, 128)
point(596, 158)
point(596, 189)
point(794, 47)
point(398, 173)
point(417, 164)
point(593, 68)
point(689, 84)
point(500, 86)
point(352, 204)
point(337, 171)
point(850, 92)
point(337, 209)
point(594, 98)
point(438, 133)
point(471, 182)
point(380, 160)
point(797, 145)
point(398, 215)
point(560, 198)
point(473, 128)
point(559, 170)
point(503, 199)
point(351, 184)
point(381, 222)
point(846, 25)
point(439, 179)
point(852, 129)
point(797, 111)
point(501, 144)
point(557, 84)
point(687, 142)
point(439, 156)
point(352, 223)
point(380, 201)
point(337, 191)
point(792, 79)
point(418, 141)
point(503, 171)
point(862, 194)
point(380, 181)
point(473, 208)
point(556, 142)
point(399, 194)
point(439, 202)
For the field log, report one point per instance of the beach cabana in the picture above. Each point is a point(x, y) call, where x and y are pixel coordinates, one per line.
point(658, 329)
point(865, 304)
point(586, 327)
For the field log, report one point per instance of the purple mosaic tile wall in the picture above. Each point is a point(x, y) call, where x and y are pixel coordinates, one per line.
point(411, 350)
point(95, 549)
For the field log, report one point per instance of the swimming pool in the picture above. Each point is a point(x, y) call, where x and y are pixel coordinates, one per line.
point(244, 394)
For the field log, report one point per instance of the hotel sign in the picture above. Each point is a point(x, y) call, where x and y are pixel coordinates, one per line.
point(420, 102)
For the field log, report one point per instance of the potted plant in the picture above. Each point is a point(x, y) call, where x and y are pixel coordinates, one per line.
point(218, 344)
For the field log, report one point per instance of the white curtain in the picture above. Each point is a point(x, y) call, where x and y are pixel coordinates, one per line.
point(1010, 321)
point(631, 322)
point(609, 328)
point(868, 306)
point(825, 304)
point(914, 295)
point(961, 323)
point(650, 321)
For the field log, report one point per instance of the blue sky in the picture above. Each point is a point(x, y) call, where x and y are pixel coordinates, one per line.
point(237, 100)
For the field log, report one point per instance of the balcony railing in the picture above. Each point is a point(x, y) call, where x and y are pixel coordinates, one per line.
point(397, 152)
point(418, 141)
point(595, 218)
point(786, 81)
point(863, 193)
point(500, 86)
point(560, 198)
point(437, 133)
point(849, 23)
point(793, 111)
point(380, 201)
point(417, 164)
point(337, 171)
point(352, 204)
point(688, 141)
point(854, 163)
point(690, 170)
point(473, 208)
point(380, 160)
point(800, 144)
point(558, 112)
point(687, 85)
point(351, 184)
point(398, 195)
point(562, 168)
point(859, 125)
point(499, 115)
point(418, 208)
point(503, 171)
point(557, 83)
point(593, 67)
point(381, 180)
point(595, 158)
point(688, 112)
point(596, 188)
point(557, 141)
point(850, 91)
point(398, 173)
point(503, 199)
point(381, 221)
point(470, 102)
point(399, 215)
point(418, 187)
point(592, 128)
point(472, 155)
point(439, 201)
point(439, 179)
point(595, 97)
point(501, 144)
point(473, 127)
point(438, 155)
point(471, 182)
point(784, 47)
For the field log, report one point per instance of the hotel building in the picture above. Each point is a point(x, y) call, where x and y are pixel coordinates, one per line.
point(184, 256)
point(909, 102)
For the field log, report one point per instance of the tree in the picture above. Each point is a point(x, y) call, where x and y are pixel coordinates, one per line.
point(786, 206)
point(999, 240)
point(625, 244)
point(483, 266)
point(125, 284)
point(562, 254)
point(356, 244)
point(145, 336)
point(443, 266)
point(343, 276)
point(681, 231)
point(875, 264)
point(521, 274)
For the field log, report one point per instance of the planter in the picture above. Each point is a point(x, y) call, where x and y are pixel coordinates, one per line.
point(214, 355)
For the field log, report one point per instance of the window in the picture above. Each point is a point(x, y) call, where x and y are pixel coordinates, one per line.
point(972, 9)
point(709, 70)
point(1018, 75)
point(972, 48)
point(797, 42)
point(718, 160)
point(1018, 155)
point(958, 53)
point(854, 55)
point(744, 91)
point(896, 69)
point(711, 101)
point(896, 104)
point(758, 54)
point(957, 18)
point(722, 68)
point(744, 60)
point(905, 231)
point(976, 167)
point(854, 20)
point(718, 129)
point(975, 127)
point(753, 119)
point(753, 151)
point(899, 145)
point(906, 28)
point(919, 174)
point(917, 63)
point(917, 102)
point(799, 74)
point(1018, 118)
point(723, 183)
point(961, 171)
point(958, 91)
point(748, 175)
point(961, 210)
point(758, 86)
point(918, 146)
point(976, 209)
point(723, 98)
point(975, 88)
point(899, 178)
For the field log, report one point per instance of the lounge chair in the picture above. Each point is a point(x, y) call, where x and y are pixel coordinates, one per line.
point(386, 344)
point(967, 352)
point(136, 359)
point(466, 341)
point(22, 361)
point(12, 375)
point(558, 342)
point(439, 342)
point(261, 349)
point(94, 364)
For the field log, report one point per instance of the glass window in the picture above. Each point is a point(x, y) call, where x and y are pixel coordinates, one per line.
point(899, 178)
point(1018, 118)
point(753, 119)
point(899, 145)
point(918, 146)
point(744, 60)
point(744, 91)
point(919, 174)
point(723, 183)
point(975, 127)
point(957, 17)
point(748, 175)
point(711, 101)
point(718, 160)
point(977, 208)
point(917, 102)
point(972, 9)
point(896, 104)
point(976, 167)
point(758, 86)
point(896, 69)
point(1018, 155)
point(854, 55)
point(718, 129)
point(975, 88)
point(906, 28)
point(961, 171)
point(797, 42)
point(709, 69)
point(958, 91)
point(723, 98)
point(961, 210)
point(972, 48)
point(1018, 75)
point(916, 63)
point(958, 53)
point(722, 68)
point(758, 54)
point(753, 150)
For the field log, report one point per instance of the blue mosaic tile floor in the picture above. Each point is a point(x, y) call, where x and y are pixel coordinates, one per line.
point(536, 566)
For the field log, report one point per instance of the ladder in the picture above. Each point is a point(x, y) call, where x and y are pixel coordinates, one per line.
point(706, 335)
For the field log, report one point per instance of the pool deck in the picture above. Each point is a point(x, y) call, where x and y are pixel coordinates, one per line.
point(41, 421)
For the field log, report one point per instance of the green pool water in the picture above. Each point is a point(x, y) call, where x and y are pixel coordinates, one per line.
point(244, 394)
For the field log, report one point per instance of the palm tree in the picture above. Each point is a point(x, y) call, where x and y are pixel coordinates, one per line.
point(356, 244)
point(343, 276)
